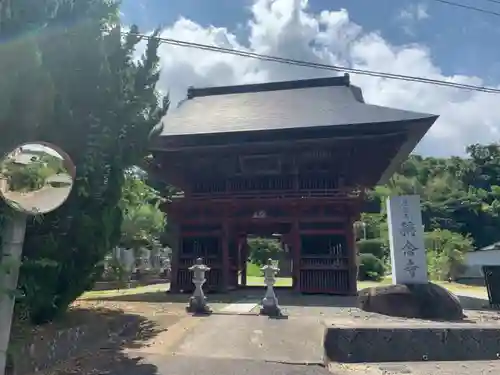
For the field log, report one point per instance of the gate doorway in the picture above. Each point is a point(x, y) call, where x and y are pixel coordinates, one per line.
point(257, 242)
point(259, 250)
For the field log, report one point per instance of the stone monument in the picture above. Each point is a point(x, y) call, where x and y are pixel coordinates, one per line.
point(411, 295)
point(198, 301)
point(406, 238)
point(270, 305)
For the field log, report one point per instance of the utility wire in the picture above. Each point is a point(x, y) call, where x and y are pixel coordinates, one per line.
point(494, 1)
point(470, 7)
point(313, 65)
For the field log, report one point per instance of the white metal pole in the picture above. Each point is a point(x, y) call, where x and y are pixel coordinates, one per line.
point(12, 247)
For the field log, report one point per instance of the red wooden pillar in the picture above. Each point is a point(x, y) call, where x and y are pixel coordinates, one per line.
point(296, 245)
point(225, 255)
point(174, 265)
point(353, 258)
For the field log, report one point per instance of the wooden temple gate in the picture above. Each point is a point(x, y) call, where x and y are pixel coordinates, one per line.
point(287, 157)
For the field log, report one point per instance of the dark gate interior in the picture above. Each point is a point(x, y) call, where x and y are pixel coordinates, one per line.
point(206, 247)
point(324, 264)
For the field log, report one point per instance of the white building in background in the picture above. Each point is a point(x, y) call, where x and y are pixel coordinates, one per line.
point(147, 259)
point(475, 260)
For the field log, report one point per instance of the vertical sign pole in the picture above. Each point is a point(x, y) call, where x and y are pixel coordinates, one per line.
point(12, 247)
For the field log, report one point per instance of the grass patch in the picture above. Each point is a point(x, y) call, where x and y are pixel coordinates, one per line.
point(97, 294)
point(259, 281)
point(253, 270)
point(453, 287)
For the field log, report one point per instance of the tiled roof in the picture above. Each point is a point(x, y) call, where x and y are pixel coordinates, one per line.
point(323, 102)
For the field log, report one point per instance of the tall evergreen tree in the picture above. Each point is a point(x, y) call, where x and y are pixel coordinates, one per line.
point(101, 106)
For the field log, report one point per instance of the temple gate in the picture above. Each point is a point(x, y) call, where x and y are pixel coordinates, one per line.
point(292, 158)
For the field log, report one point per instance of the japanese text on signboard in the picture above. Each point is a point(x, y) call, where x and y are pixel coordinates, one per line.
point(408, 231)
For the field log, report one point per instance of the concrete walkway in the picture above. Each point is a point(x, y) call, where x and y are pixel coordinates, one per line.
point(235, 340)
point(255, 337)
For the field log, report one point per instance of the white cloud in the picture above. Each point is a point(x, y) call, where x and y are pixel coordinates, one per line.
point(288, 29)
point(410, 15)
point(415, 12)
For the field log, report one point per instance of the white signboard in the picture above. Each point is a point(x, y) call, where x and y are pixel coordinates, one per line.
point(406, 237)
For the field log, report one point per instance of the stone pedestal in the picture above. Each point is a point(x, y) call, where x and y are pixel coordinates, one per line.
point(418, 301)
point(270, 306)
point(198, 302)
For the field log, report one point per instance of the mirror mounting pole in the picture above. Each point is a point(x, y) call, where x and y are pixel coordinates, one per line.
point(11, 251)
point(35, 178)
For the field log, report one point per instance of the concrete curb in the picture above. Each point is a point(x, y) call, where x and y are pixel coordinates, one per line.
point(356, 342)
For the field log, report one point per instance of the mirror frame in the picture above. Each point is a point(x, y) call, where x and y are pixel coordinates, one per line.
point(69, 164)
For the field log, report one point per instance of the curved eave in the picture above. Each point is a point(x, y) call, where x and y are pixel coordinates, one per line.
point(415, 134)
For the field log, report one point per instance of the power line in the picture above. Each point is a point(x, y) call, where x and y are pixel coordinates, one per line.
point(313, 65)
point(494, 1)
point(470, 7)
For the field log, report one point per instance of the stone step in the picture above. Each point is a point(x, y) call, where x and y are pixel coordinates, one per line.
point(355, 341)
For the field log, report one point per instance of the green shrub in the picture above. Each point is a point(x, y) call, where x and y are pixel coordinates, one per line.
point(374, 246)
point(370, 268)
point(261, 249)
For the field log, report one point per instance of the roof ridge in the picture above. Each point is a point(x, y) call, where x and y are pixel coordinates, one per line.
point(270, 86)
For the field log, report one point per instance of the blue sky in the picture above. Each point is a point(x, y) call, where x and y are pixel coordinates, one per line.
point(460, 41)
point(414, 37)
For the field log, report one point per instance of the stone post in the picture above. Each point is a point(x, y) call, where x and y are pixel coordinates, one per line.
point(198, 301)
point(270, 305)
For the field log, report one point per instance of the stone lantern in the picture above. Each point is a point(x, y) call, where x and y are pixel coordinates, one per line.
point(198, 301)
point(270, 305)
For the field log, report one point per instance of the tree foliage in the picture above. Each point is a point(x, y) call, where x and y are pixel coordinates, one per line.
point(143, 220)
point(375, 246)
point(261, 249)
point(459, 195)
point(445, 253)
point(460, 204)
point(370, 267)
point(82, 89)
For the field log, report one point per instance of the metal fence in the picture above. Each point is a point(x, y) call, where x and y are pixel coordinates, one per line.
point(492, 282)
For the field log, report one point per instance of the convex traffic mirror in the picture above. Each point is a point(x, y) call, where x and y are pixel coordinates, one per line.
point(36, 178)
